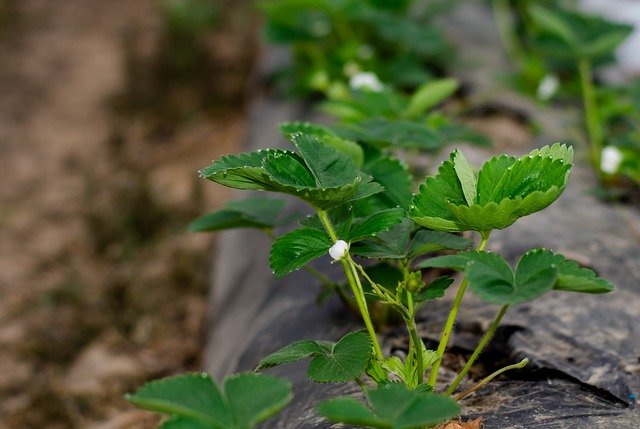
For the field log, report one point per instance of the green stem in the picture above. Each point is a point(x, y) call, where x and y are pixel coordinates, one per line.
point(356, 287)
point(469, 391)
point(591, 116)
point(415, 338)
point(479, 348)
point(448, 327)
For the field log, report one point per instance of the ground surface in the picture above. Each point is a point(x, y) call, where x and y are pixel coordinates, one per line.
point(100, 287)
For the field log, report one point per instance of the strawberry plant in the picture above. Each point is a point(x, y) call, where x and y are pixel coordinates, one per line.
point(332, 41)
point(556, 51)
point(382, 236)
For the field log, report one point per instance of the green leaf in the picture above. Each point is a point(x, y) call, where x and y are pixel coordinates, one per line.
point(386, 245)
point(253, 398)
point(455, 262)
point(196, 401)
point(294, 352)
point(394, 175)
point(435, 290)
point(346, 361)
point(326, 135)
point(490, 174)
point(531, 174)
point(332, 363)
point(433, 241)
point(491, 278)
point(573, 278)
point(249, 213)
point(323, 176)
point(465, 176)
point(397, 243)
point(192, 396)
point(330, 167)
point(507, 189)
point(431, 206)
point(392, 406)
point(570, 34)
point(295, 249)
point(429, 95)
point(176, 422)
point(381, 133)
point(554, 22)
point(245, 170)
point(374, 224)
point(350, 411)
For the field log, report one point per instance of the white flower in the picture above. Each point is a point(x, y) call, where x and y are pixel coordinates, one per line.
point(548, 87)
point(365, 80)
point(610, 159)
point(339, 250)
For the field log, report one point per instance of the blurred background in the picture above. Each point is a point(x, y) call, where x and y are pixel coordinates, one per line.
point(107, 111)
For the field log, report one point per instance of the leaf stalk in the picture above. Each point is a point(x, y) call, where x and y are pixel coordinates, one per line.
point(448, 327)
point(479, 348)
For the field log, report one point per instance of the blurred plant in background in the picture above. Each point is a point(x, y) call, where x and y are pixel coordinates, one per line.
point(558, 52)
point(335, 40)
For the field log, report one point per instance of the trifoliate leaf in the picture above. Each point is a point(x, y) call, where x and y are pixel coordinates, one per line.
point(393, 406)
point(249, 213)
point(322, 176)
point(196, 401)
point(492, 279)
point(332, 363)
point(507, 189)
point(533, 271)
point(295, 249)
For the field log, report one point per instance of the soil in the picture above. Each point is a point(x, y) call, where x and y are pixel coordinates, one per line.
point(101, 287)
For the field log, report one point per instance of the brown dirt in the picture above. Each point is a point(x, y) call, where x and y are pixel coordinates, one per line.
point(100, 287)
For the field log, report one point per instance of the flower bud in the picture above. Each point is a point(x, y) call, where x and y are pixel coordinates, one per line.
point(339, 250)
point(610, 160)
point(548, 87)
point(365, 81)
